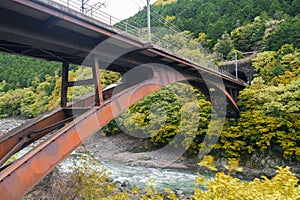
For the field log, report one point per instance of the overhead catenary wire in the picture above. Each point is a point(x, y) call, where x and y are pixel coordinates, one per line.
point(157, 16)
point(134, 28)
point(167, 25)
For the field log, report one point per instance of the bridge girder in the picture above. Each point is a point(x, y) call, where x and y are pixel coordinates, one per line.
point(18, 178)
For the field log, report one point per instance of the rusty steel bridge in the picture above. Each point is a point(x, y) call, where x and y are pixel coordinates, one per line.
point(56, 31)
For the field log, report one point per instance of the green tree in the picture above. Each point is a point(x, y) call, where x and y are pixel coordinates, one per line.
point(249, 37)
point(19, 71)
point(279, 37)
point(269, 118)
point(224, 46)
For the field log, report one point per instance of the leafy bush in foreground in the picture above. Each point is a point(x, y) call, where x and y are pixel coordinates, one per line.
point(284, 185)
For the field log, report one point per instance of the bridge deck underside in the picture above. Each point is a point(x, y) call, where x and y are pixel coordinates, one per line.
point(34, 29)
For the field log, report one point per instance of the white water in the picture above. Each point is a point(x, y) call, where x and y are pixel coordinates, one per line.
point(175, 179)
point(164, 178)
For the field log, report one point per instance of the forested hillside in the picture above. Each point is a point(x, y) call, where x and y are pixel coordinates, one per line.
point(269, 121)
point(223, 25)
point(30, 87)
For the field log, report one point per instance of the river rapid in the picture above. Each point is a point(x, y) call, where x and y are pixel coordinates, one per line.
point(128, 165)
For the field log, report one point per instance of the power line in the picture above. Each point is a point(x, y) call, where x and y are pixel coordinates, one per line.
point(138, 5)
point(95, 7)
point(164, 22)
point(158, 17)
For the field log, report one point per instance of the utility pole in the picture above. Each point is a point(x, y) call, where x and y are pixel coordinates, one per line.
point(83, 2)
point(236, 67)
point(148, 21)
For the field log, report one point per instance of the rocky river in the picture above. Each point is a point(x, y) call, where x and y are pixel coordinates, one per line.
point(124, 157)
point(131, 160)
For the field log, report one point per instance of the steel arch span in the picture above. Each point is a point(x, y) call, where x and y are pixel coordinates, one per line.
point(18, 178)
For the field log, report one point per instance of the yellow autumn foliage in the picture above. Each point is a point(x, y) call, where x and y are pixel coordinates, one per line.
point(284, 185)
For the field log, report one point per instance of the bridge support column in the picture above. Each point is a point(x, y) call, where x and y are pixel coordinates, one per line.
point(235, 95)
point(230, 92)
point(95, 81)
point(97, 84)
point(64, 84)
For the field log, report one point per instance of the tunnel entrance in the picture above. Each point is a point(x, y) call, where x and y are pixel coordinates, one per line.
point(241, 75)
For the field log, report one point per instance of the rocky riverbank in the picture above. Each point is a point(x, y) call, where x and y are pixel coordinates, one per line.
point(8, 124)
point(134, 151)
point(138, 152)
point(257, 165)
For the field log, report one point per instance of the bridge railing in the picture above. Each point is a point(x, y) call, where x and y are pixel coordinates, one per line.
point(206, 60)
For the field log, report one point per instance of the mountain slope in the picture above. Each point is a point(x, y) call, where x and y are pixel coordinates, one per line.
point(215, 17)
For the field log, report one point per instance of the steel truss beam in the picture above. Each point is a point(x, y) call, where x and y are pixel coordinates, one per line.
point(17, 179)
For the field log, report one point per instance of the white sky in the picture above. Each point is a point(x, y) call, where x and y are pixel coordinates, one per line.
point(122, 9)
